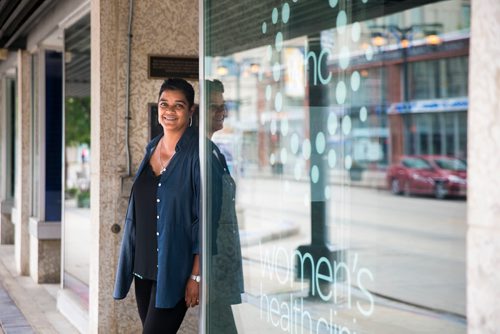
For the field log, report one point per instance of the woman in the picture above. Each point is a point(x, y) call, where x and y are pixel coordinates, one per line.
point(159, 249)
point(226, 280)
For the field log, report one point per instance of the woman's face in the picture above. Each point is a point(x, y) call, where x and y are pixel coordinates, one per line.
point(218, 111)
point(173, 111)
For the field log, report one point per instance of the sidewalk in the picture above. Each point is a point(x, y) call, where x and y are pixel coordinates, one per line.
point(27, 307)
point(11, 318)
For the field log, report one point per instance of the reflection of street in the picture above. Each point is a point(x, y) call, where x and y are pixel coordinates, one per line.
point(414, 247)
point(77, 241)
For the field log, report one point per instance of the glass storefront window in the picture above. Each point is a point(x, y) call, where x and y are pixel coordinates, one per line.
point(312, 111)
point(77, 158)
point(457, 76)
point(7, 151)
point(11, 136)
point(35, 138)
point(442, 78)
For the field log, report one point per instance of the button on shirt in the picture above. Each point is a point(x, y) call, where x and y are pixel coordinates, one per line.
point(177, 205)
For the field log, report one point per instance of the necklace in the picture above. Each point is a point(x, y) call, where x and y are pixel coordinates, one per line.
point(163, 167)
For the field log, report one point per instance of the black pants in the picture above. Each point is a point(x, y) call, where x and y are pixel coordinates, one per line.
point(157, 320)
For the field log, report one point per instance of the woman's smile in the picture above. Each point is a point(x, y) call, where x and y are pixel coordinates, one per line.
point(169, 118)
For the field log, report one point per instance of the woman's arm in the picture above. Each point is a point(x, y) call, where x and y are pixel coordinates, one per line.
point(192, 287)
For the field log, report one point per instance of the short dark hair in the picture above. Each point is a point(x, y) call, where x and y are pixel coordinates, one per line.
point(181, 85)
point(214, 86)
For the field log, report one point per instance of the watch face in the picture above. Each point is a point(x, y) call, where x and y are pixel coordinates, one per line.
point(198, 279)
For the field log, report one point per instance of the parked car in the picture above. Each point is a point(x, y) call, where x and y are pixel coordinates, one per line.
point(436, 175)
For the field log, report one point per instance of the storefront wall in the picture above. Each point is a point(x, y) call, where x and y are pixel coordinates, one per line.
point(167, 28)
point(303, 241)
point(157, 28)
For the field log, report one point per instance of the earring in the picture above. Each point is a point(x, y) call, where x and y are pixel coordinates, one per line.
point(190, 121)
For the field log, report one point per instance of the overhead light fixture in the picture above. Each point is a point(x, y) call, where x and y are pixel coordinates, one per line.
point(3, 54)
point(222, 70)
point(433, 39)
point(365, 46)
point(68, 57)
point(254, 68)
point(378, 39)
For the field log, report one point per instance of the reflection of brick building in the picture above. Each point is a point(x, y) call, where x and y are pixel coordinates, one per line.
point(433, 121)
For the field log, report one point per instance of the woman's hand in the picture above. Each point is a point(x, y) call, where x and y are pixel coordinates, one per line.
point(192, 294)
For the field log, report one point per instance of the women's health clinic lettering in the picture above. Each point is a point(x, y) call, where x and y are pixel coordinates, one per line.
point(314, 62)
point(328, 279)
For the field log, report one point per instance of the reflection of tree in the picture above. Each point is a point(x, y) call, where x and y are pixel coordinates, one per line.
point(77, 121)
point(77, 133)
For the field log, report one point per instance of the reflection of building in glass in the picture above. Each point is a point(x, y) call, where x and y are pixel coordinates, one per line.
point(429, 62)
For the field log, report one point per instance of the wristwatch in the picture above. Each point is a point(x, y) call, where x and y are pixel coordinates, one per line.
point(196, 278)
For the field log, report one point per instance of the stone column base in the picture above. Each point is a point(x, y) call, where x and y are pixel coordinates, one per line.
point(6, 225)
point(45, 251)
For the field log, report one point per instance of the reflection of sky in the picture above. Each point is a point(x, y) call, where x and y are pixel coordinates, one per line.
point(271, 99)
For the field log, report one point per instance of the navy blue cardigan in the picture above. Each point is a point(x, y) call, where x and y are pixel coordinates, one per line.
point(178, 211)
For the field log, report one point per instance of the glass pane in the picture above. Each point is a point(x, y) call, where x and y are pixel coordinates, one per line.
point(77, 157)
point(11, 151)
point(35, 139)
point(456, 72)
point(461, 136)
point(316, 111)
point(53, 124)
point(449, 127)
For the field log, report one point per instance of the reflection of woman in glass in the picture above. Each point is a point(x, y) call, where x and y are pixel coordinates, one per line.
point(226, 275)
point(159, 249)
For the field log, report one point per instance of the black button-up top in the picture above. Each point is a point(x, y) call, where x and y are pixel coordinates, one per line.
point(146, 250)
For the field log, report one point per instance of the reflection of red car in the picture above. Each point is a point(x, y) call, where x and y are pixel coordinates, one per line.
point(436, 175)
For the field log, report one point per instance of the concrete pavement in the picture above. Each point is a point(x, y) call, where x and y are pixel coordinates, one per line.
point(28, 307)
point(11, 318)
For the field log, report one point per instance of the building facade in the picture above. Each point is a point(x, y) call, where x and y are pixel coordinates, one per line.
point(323, 97)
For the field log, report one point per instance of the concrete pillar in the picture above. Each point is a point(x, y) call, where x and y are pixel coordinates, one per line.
point(156, 30)
point(483, 236)
point(21, 210)
point(45, 237)
point(45, 251)
point(6, 226)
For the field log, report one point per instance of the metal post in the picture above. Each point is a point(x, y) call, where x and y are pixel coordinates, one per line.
point(405, 74)
point(318, 102)
point(317, 120)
